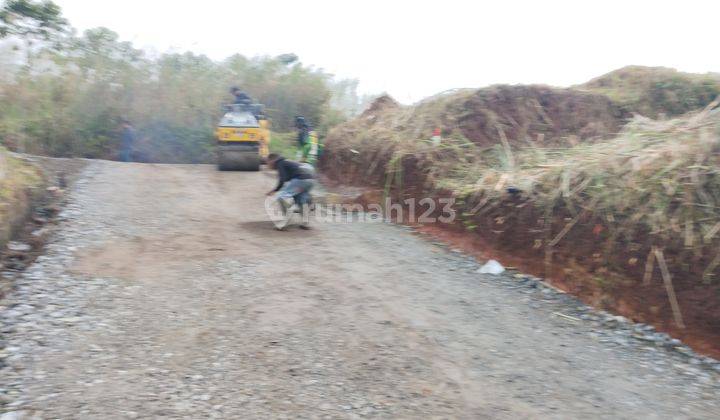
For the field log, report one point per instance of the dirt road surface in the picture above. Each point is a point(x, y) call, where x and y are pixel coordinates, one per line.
point(167, 293)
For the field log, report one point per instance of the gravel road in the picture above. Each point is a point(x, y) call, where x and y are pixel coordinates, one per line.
point(166, 293)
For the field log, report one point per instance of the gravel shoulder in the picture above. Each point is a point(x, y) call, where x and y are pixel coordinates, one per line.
point(166, 293)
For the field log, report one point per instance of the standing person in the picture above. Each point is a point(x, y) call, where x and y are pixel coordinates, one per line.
point(308, 145)
point(295, 180)
point(128, 139)
point(311, 148)
point(303, 129)
point(240, 96)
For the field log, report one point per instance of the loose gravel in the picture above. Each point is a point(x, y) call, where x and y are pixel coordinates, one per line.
point(166, 293)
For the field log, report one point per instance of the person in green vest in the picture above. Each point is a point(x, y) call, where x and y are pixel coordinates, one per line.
point(308, 144)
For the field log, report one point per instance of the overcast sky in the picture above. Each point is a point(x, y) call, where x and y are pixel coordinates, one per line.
point(413, 49)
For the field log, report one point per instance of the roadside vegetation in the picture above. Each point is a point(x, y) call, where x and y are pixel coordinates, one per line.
point(20, 185)
point(284, 144)
point(63, 94)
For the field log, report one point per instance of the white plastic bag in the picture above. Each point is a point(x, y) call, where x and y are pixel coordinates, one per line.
point(491, 267)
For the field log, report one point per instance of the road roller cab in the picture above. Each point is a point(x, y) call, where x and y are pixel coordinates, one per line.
point(242, 135)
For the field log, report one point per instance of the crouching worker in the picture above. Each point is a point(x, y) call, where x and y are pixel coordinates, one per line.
point(295, 180)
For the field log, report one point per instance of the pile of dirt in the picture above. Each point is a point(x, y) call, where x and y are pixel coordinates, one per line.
point(529, 115)
point(382, 103)
point(535, 115)
point(656, 91)
point(482, 119)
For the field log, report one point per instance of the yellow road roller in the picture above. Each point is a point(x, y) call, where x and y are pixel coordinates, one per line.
point(243, 137)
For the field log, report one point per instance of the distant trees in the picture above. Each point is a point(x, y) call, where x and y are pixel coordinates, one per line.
point(69, 99)
point(29, 19)
point(32, 22)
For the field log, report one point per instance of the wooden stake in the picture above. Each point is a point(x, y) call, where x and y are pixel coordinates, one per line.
point(669, 288)
point(572, 223)
point(547, 227)
point(712, 232)
point(3, 165)
point(571, 318)
point(708, 273)
point(548, 261)
point(649, 266)
point(506, 146)
point(702, 114)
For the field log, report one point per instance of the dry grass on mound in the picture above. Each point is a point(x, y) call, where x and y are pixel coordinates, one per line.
point(19, 182)
point(662, 174)
point(648, 198)
point(526, 115)
point(656, 91)
point(475, 125)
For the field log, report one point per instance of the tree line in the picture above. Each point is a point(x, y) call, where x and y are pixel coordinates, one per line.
point(64, 94)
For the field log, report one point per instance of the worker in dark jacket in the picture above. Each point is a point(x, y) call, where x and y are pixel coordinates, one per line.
point(295, 180)
point(240, 96)
point(127, 140)
point(303, 129)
